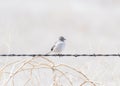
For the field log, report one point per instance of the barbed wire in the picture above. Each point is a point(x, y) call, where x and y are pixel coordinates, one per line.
point(75, 55)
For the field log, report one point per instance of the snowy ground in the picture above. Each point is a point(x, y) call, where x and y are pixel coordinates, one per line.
point(90, 26)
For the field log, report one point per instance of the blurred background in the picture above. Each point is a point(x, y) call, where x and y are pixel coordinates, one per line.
point(90, 26)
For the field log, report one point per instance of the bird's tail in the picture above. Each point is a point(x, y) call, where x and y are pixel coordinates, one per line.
point(48, 52)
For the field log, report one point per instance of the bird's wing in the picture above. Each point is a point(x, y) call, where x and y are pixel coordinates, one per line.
point(53, 46)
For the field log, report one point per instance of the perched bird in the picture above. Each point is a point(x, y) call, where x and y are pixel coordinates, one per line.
point(58, 46)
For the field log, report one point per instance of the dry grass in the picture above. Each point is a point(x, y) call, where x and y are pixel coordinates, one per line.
point(41, 71)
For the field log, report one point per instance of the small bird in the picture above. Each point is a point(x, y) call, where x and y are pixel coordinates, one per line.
point(58, 46)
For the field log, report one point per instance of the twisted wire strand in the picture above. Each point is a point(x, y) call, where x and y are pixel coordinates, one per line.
point(62, 55)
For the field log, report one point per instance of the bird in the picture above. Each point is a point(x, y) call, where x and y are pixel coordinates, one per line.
point(59, 46)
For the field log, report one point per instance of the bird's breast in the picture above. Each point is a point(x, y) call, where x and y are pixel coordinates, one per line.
point(59, 47)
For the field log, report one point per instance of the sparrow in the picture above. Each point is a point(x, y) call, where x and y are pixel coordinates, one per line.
point(59, 46)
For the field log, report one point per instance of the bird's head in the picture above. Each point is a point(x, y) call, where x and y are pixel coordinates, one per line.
point(61, 38)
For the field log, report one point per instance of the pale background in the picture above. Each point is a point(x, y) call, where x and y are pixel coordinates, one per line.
point(90, 26)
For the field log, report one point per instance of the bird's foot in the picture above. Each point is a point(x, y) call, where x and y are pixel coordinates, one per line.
point(60, 55)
